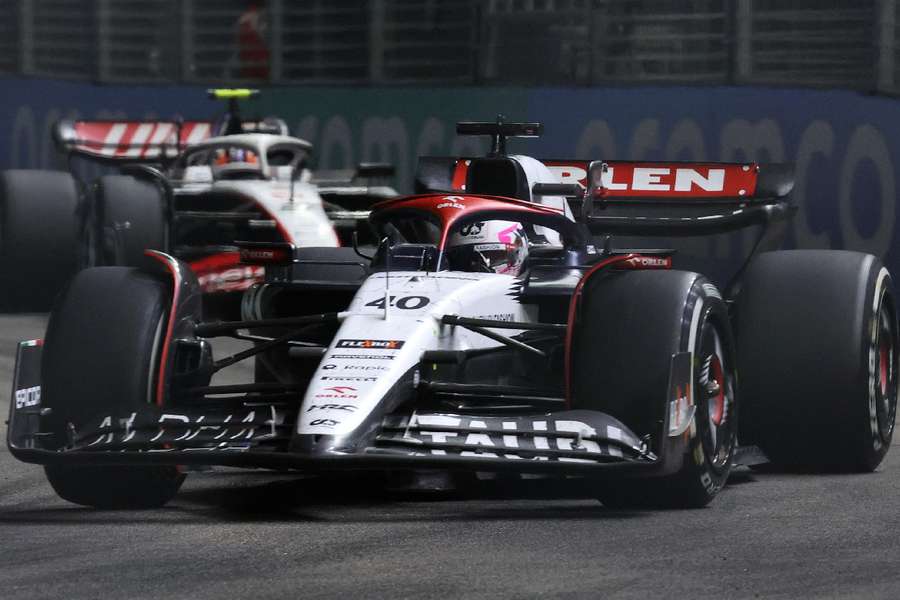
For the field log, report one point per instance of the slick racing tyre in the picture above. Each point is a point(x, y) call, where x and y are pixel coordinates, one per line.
point(128, 217)
point(630, 325)
point(38, 237)
point(100, 353)
point(817, 353)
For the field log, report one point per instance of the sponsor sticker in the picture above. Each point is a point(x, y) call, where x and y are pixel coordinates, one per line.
point(347, 407)
point(650, 262)
point(199, 428)
point(452, 202)
point(516, 435)
point(337, 391)
point(28, 397)
point(230, 280)
point(487, 247)
point(371, 344)
point(340, 389)
point(505, 317)
point(471, 229)
point(361, 357)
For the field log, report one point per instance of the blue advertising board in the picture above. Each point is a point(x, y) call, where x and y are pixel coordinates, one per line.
point(844, 144)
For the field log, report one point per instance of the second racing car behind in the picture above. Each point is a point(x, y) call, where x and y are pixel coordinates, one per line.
point(177, 189)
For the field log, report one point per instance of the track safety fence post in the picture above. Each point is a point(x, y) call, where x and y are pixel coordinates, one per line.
point(885, 20)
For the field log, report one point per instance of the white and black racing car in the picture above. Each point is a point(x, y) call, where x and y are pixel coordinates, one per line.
point(189, 189)
point(488, 333)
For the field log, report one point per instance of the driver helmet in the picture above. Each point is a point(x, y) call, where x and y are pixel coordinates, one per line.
point(227, 156)
point(488, 247)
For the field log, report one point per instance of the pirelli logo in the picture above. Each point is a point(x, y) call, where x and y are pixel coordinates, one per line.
point(371, 344)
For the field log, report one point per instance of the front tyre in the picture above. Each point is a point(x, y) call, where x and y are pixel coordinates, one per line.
point(115, 488)
point(630, 325)
point(101, 352)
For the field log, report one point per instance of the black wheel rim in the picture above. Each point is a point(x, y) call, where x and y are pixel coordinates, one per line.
point(885, 371)
point(715, 397)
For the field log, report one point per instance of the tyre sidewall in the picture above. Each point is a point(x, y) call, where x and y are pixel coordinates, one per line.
point(129, 217)
point(874, 440)
point(698, 473)
point(639, 320)
point(100, 346)
point(38, 237)
point(100, 358)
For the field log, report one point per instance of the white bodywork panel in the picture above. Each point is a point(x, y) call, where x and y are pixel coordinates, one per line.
point(374, 348)
point(537, 172)
point(302, 220)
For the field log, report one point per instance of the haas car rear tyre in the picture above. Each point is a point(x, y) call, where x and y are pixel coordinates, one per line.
point(817, 352)
point(38, 237)
point(128, 217)
point(629, 326)
point(100, 354)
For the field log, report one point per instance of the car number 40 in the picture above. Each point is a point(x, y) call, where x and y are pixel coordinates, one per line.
point(403, 302)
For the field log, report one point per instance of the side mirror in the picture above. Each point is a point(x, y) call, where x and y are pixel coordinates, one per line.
point(356, 247)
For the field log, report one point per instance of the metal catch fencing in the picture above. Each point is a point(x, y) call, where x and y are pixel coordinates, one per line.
point(839, 43)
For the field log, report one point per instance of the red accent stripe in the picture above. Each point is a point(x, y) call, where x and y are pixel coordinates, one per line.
point(719, 407)
point(573, 310)
point(172, 267)
point(459, 174)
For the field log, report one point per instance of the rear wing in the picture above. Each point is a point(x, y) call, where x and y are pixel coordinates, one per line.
point(121, 141)
point(128, 141)
point(693, 182)
point(678, 198)
point(648, 198)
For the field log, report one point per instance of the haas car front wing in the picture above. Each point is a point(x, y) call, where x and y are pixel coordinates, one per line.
point(239, 432)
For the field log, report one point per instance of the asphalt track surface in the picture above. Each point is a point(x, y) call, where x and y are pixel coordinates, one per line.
point(231, 534)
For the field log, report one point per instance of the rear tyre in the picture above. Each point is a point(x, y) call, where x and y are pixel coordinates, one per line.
point(100, 355)
point(129, 217)
point(631, 323)
point(817, 353)
point(38, 237)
